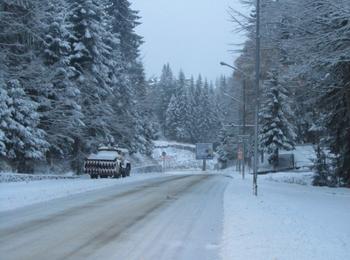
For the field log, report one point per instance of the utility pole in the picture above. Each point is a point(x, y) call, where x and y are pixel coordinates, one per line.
point(244, 122)
point(257, 83)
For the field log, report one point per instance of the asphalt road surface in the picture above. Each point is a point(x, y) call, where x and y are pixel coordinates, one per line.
point(172, 217)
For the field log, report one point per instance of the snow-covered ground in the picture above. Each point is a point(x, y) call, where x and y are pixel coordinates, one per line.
point(19, 177)
point(178, 156)
point(285, 221)
point(19, 194)
point(293, 177)
point(167, 143)
point(304, 156)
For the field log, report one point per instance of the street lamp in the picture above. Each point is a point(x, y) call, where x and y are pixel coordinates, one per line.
point(257, 85)
point(234, 68)
point(243, 108)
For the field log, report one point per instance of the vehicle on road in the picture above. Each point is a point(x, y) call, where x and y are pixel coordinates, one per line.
point(108, 162)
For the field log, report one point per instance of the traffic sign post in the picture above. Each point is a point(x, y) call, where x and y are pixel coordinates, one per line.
point(163, 159)
point(204, 151)
point(241, 152)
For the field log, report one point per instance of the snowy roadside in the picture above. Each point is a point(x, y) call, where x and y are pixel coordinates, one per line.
point(178, 156)
point(292, 177)
point(285, 221)
point(19, 194)
point(15, 177)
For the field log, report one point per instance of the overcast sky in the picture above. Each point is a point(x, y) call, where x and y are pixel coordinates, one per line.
point(193, 35)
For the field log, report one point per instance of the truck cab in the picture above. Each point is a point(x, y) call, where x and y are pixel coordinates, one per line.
point(108, 162)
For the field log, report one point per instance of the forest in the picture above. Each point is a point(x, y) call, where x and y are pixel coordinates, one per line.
point(304, 91)
point(72, 78)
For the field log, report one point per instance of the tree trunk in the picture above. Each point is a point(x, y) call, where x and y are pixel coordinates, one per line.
point(348, 102)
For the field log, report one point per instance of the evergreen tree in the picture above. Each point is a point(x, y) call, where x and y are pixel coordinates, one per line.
point(131, 89)
point(62, 116)
point(5, 114)
point(227, 145)
point(90, 59)
point(205, 111)
point(177, 112)
point(165, 89)
point(197, 110)
point(276, 131)
point(24, 141)
point(191, 105)
point(321, 167)
point(171, 120)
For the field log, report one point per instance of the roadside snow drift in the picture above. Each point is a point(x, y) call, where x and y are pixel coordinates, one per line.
point(285, 221)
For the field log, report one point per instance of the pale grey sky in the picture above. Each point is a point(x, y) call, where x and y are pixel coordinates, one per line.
point(193, 35)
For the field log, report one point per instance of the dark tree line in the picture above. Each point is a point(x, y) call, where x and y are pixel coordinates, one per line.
point(70, 79)
point(186, 108)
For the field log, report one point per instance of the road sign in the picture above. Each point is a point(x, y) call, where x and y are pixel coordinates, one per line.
point(243, 138)
point(204, 151)
point(240, 154)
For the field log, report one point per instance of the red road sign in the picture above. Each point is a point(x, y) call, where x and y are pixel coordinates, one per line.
point(240, 154)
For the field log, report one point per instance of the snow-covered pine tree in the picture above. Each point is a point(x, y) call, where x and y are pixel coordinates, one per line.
point(124, 22)
point(216, 118)
point(191, 105)
point(334, 23)
point(227, 145)
point(171, 119)
point(24, 141)
point(5, 114)
point(61, 118)
point(177, 112)
point(276, 130)
point(131, 89)
point(22, 25)
point(197, 110)
point(165, 90)
point(321, 56)
point(205, 121)
point(321, 168)
point(90, 57)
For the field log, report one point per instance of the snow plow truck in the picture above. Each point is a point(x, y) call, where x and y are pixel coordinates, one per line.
point(108, 162)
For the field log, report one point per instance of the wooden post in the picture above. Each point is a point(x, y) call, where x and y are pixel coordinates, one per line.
point(204, 165)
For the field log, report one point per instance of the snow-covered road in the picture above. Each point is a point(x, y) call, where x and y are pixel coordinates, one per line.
point(170, 217)
point(179, 215)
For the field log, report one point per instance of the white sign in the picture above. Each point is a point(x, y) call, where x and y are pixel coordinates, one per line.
point(204, 151)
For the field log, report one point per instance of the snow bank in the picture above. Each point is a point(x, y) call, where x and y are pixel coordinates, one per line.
point(304, 155)
point(15, 177)
point(18, 194)
point(294, 177)
point(285, 221)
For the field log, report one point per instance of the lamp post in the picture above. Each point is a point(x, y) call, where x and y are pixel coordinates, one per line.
point(243, 109)
point(257, 83)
